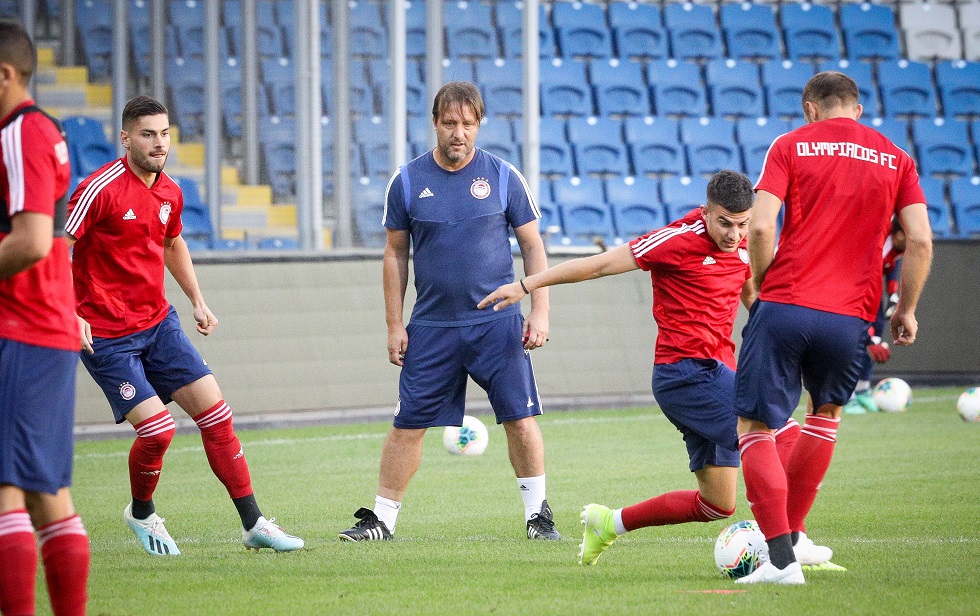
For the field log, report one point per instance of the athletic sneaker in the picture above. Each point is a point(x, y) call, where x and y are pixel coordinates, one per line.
point(542, 524)
point(767, 573)
point(827, 566)
point(152, 533)
point(861, 403)
point(268, 534)
point(369, 528)
point(809, 553)
point(598, 534)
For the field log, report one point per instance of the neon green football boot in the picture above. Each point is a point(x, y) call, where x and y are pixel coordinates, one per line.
point(598, 533)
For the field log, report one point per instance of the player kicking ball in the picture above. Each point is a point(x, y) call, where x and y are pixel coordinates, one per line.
point(124, 222)
point(699, 269)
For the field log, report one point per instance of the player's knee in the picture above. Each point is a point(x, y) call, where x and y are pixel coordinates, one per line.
point(157, 443)
point(721, 509)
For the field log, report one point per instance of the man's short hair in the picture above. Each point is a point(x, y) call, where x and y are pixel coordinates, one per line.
point(731, 190)
point(458, 93)
point(140, 107)
point(829, 89)
point(17, 49)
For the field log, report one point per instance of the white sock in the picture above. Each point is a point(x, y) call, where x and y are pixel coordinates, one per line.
point(618, 522)
point(533, 493)
point(862, 386)
point(387, 511)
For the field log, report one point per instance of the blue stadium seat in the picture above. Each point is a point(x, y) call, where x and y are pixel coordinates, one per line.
point(274, 129)
point(502, 84)
point(556, 155)
point(270, 43)
point(496, 136)
point(710, 145)
point(682, 194)
point(578, 191)
point(810, 31)
point(510, 21)
point(638, 30)
point(581, 30)
point(219, 243)
point(196, 245)
point(469, 30)
point(231, 102)
point(550, 221)
point(93, 18)
point(964, 193)
point(906, 88)
point(231, 12)
point(280, 167)
point(139, 25)
point(959, 87)
point(734, 88)
point(783, 81)
point(196, 217)
point(676, 88)
point(379, 77)
point(750, 30)
point(187, 95)
point(655, 146)
point(372, 135)
point(588, 222)
point(186, 12)
point(636, 206)
point(860, 72)
point(692, 30)
point(755, 135)
point(278, 243)
point(369, 204)
point(361, 97)
point(88, 146)
point(869, 31)
point(564, 89)
point(415, 29)
point(619, 88)
point(285, 12)
point(597, 146)
point(939, 218)
point(943, 146)
point(895, 129)
point(368, 35)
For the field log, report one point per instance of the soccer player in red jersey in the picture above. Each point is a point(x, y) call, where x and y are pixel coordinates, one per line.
point(124, 223)
point(39, 342)
point(841, 183)
point(699, 268)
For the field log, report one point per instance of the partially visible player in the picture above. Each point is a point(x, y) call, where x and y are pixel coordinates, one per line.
point(699, 269)
point(39, 342)
point(878, 350)
point(841, 182)
point(124, 222)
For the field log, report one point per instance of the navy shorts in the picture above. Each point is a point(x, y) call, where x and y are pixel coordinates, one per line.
point(37, 416)
point(784, 346)
point(698, 397)
point(432, 387)
point(154, 362)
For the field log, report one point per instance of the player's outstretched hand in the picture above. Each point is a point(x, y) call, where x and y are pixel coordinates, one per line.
point(85, 331)
point(504, 296)
point(904, 328)
point(397, 345)
point(206, 321)
point(879, 351)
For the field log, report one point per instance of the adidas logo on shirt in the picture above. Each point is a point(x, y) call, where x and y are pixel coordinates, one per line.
point(426, 193)
point(130, 215)
point(708, 261)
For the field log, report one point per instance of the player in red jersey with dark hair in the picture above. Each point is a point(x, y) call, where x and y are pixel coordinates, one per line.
point(124, 222)
point(39, 342)
point(699, 269)
point(841, 183)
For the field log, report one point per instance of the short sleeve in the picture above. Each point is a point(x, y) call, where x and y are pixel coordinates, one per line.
point(395, 215)
point(909, 190)
point(521, 207)
point(31, 171)
point(775, 171)
point(655, 250)
point(175, 225)
point(80, 217)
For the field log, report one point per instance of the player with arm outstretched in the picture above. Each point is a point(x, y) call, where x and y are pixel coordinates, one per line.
point(124, 222)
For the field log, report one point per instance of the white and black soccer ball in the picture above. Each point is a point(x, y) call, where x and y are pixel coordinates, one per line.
point(740, 549)
point(892, 395)
point(968, 404)
point(470, 439)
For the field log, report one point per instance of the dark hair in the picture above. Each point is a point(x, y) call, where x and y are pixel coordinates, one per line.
point(731, 190)
point(140, 107)
point(17, 50)
point(458, 93)
point(830, 89)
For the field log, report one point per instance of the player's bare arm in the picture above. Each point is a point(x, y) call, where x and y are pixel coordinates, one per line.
point(536, 326)
point(28, 242)
point(177, 258)
point(762, 234)
point(749, 293)
point(84, 329)
point(616, 261)
point(395, 282)
point(915, 269)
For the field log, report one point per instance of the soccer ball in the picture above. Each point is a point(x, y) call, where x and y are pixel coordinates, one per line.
point(740, 549)
point(969, 404)
point(470, 439)
point(892, 395)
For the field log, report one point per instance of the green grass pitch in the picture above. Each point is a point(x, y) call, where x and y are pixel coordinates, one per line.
point(899, 506)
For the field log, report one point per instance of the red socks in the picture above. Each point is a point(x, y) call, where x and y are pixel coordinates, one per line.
point(765, 482)
point(808, 465)
point(65, 551)
point(224, 450)
point(786, 438)
point(672, 508)
point(153, 437)
point(18, 563)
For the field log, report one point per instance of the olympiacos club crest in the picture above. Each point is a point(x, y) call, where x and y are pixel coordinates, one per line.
point(127, 391)
point(480, 188)
point(165, 208)
point(743, 254)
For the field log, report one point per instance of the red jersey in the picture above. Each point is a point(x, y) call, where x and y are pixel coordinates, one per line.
point(841, 182)
point(696, 290)
point(120, 224)
point(37, 306)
